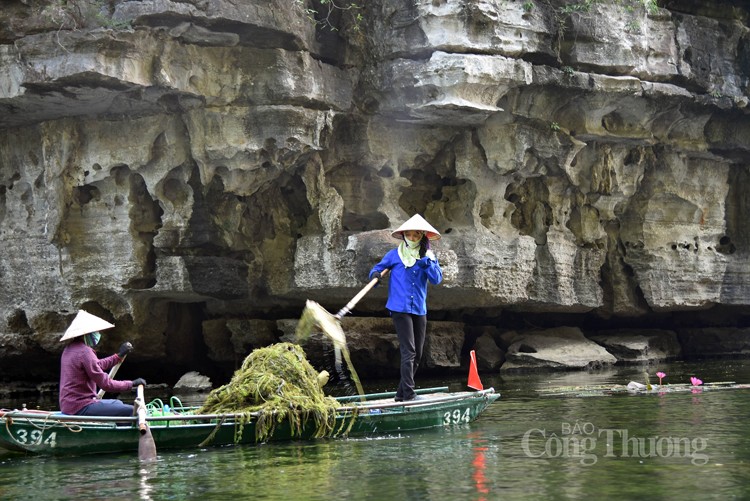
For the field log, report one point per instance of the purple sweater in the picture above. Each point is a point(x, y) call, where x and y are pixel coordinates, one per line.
point(81, 372)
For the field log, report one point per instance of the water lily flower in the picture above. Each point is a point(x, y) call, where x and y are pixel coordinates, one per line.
point(694, 381)
point(660, 375)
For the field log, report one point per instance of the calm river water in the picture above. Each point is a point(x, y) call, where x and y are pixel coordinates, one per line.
point(528, 445)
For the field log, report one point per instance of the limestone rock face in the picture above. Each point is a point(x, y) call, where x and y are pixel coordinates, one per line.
point(193, 382)
point(716, 342)
point(194, 170)
point(443, 345)
point(490, 356)
point(645, 346)
point(563, 348)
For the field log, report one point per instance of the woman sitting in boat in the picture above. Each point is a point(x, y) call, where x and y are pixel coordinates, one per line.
point(81, 371)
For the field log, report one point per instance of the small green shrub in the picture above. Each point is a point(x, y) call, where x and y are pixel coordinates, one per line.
point(633, 26)
point(324, 17)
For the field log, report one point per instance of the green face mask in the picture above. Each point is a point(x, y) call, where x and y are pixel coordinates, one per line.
point(92, 339)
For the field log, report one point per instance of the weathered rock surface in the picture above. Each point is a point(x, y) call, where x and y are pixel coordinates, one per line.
point(194, 170)
point(490, 356)
point(635, 347)
point(561, 348)
point(193, 382)
point(715, 342)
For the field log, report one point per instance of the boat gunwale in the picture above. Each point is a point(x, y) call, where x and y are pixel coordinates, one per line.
point(343, 411)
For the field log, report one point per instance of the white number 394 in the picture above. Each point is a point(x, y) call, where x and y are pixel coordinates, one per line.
point(36, 437)
point(457, 417)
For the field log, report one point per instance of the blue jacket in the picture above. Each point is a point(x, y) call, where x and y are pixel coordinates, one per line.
point(407, 289)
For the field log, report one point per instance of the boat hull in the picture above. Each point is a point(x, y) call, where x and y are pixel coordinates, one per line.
point(48, 433)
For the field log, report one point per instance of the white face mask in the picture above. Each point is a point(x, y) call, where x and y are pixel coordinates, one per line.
point(413, 244)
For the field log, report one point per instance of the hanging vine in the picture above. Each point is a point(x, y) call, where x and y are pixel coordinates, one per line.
point(326, 13)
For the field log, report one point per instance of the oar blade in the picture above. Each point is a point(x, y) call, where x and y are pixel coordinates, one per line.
point(146, 446)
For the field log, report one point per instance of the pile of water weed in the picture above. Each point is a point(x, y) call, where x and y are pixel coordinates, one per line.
point(276, 384)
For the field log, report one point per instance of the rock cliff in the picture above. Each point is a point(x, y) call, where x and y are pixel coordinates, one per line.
point(193, 170)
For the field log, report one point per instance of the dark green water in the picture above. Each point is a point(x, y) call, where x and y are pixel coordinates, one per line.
point(526, 446)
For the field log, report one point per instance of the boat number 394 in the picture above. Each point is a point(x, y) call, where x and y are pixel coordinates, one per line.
point(35, 437)
point(457, 416)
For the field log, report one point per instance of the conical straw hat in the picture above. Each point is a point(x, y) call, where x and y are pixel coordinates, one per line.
point(417, 223)
point(84, 323)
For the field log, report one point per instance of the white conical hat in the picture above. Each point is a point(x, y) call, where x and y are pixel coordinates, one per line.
point(417, 223)
point(84, 323)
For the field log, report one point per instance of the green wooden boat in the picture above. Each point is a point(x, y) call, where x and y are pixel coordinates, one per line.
point(53, 433)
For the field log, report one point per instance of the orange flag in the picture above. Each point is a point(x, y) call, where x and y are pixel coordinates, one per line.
point(474, 381)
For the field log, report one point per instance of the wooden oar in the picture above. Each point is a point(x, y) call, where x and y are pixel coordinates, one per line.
point(146, 445)
point(112, 373)
point(348, 308)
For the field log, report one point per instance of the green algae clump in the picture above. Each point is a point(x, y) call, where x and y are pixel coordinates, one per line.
point(276, 384)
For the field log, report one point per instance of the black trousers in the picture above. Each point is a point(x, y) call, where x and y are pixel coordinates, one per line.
point(411, 331)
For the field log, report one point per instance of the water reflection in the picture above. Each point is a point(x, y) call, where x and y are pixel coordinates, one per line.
point(147, 478)
point(507, 453)
point(479, 464)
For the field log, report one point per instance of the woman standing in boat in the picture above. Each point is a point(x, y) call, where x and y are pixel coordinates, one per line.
point(81, 371)
point(412, 265)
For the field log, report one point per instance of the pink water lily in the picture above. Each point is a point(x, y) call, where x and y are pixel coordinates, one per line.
point(695, 381)
point(660, 375)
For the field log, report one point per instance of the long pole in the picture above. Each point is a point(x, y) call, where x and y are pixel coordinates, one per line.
point(112, 373)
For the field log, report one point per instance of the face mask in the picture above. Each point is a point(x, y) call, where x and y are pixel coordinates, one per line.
point(413, 243)
point(92, 339)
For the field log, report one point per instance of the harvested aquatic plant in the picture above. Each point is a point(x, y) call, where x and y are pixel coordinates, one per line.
point(316, 317)
point(274, 384)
